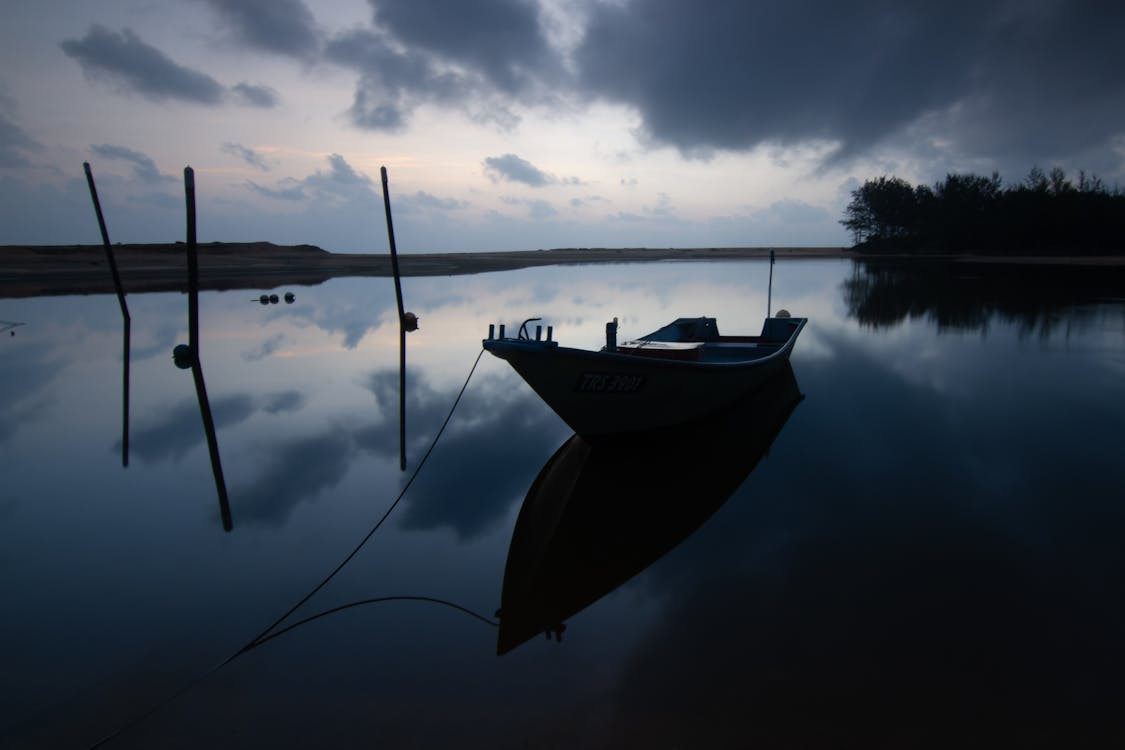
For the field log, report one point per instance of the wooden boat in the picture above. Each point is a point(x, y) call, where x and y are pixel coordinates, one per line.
point(601, 512)
point(679, 373)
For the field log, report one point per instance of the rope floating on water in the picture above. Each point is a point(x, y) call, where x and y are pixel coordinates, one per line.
point(268, 634)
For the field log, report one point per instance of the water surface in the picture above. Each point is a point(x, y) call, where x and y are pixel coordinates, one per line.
point(928, 553)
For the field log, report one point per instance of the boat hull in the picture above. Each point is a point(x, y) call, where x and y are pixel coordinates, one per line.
point(600, 393)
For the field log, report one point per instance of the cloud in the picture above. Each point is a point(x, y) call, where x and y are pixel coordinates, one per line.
point(15, 144)
point(422, 199)
point(288, 189)
point(293, 471)
point(265, 349)
point(340, 179)
point(490, 428)
point(283, 27)
point(143, 166)
point(586, 200)
point(179, 428)
point(514, 169)
point(137, 67)
point(340, 183)
point(140, 68)
point(460, 488)
point(283, 401)
point(860, 74)
point(394, 80)
point(253, 95)
point(248, 155)
point(500, 39)
point(792, 211)
point(536, 209)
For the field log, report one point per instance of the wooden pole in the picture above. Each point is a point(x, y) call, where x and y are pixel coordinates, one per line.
point(769, 292)
point(126, 336)
point(105, 241)
point(126, 319)
point(401, 325)
point(193, 342)
point(192, 265)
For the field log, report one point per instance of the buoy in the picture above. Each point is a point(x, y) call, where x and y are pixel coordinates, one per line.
point(273, 299)
point(264, 299)
point(182, 356)
point(289, 297)
point(410, 321)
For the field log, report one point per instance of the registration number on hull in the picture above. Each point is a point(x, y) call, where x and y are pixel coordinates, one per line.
point(609, 382)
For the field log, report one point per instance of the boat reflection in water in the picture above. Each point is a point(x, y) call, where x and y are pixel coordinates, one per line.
point(602, 511)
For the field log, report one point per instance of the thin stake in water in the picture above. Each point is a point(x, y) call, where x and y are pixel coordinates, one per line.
point(193, 342)
point(127, 320)
point(401, 325)
point(769, 291)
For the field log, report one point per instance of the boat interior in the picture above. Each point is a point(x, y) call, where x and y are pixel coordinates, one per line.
point(698, 340)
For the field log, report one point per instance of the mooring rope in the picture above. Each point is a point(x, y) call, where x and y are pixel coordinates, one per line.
point(254, 642)
point(268, 634)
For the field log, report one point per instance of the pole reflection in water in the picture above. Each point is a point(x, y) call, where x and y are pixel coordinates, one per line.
point(189, 356)
point(405, 323)
point(126, 318)
point(601, 512)
point(126, 336)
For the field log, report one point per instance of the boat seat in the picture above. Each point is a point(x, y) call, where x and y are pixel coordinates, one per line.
point(683, 351)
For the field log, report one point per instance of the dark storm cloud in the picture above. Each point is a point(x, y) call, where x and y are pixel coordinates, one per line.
point(248, 155)
point(284, 27)
point(255, 95)
point(477, 56)
point(514, 169)
point(501, 39)
point(994, 78)
point(395, 80)
point(143, 166)
point(136, 66)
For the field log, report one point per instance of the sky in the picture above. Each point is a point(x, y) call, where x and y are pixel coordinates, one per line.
point(527, 124)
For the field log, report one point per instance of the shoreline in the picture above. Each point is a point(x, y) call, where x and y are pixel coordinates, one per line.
point(36, 271)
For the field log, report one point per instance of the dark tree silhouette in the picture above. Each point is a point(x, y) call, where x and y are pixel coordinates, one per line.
point(1045, 213)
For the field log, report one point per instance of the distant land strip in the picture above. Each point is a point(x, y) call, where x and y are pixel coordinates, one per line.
point(34, 271)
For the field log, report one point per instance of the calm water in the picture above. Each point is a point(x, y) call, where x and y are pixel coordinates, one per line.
point(928, 554)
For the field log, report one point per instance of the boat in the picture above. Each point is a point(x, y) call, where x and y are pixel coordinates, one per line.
point(599, 513)
point(677, 374)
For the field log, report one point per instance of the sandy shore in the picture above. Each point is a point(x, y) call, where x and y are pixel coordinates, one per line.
point(83, 269)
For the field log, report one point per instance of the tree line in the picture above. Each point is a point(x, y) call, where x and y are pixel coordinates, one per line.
point(1046, 213)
